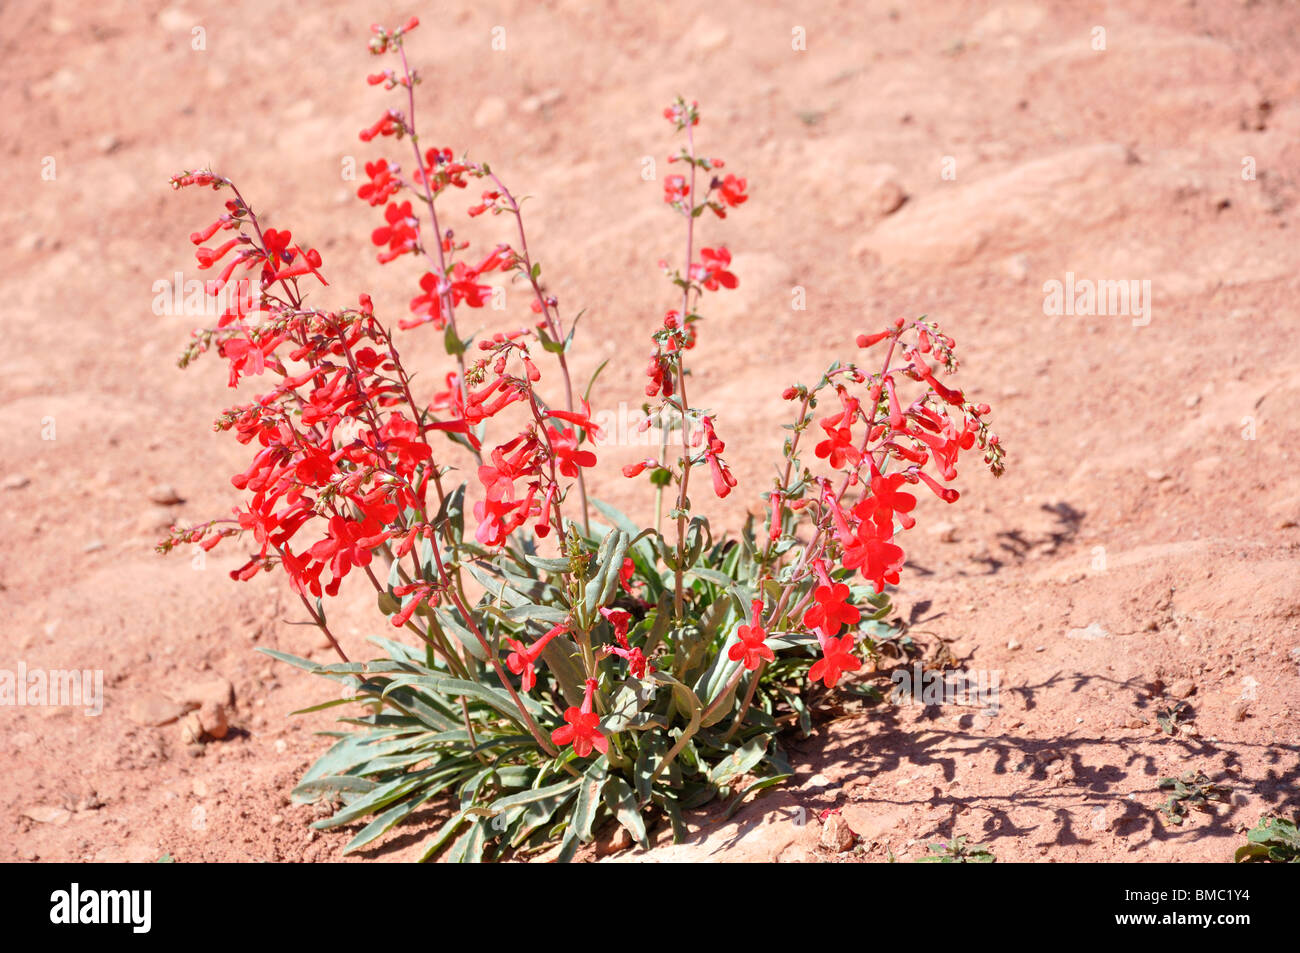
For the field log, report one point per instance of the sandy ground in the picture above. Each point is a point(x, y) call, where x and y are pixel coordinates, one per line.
point(1141, 549)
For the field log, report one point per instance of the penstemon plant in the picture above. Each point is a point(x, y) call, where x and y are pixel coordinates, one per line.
point(565, 666)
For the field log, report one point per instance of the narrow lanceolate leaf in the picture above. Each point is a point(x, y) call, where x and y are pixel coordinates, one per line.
point(456, 688)
point(589, 792)
point(622, 802)
point(756, 786)
point(534, 794)
point(740, 761)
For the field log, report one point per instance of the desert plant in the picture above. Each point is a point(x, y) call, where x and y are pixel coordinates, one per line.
point(565, 664)
point(1273, 840)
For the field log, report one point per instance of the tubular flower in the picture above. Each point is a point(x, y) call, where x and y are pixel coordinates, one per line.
point(582, 727)
point(751, 644)
point(523, 659)
point(837, 658)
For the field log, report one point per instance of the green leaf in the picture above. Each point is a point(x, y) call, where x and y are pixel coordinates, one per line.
point(740, 761)
point(622, 801)
point(589, 793)
point(758, 785)
point(591, 383)
point(307, 665)
point(457, 688)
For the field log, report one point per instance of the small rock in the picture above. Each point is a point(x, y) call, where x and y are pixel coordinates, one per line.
point(1183, 688)
point(1240, 710)
point(946, 532)
point(94, 546)
point(213, 718)
point(192, 730)
point(1192, 401)
point(108, 144)
point(836, 834)
point(1091, 633)
point(165, 495)
point(15, 481)
point(154, 711)
point(216, 690)
point(47, 814)
point(613, 839)
point(1157, 476)
point(1012, 644)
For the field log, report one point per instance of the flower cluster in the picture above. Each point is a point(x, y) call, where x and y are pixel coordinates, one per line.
point(572, 625)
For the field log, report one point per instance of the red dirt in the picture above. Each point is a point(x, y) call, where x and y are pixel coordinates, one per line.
point(1139, 546)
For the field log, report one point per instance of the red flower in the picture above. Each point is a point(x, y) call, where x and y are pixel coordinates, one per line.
point(752, 645)
point(523, 660)
point(838, 447)
point(712, 270)
point(886, 500)
point(399, 234)
point(383, 182)
point(619, 619)
point(831, 610)
point(836, 660)
point(582, 730)
point(675, 189)
point(732, 193)
point(871, 551)
point(564, 444)
point(581, 419)
point(723, 480)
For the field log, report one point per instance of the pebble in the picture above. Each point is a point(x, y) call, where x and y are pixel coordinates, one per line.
point(217, 690)
point(946, 532)
point(47, 814)
point(1183, 688)
point(165, 495)
point(1012, 644)
point(1091, 633)
point(836, 835)
point(15, 481)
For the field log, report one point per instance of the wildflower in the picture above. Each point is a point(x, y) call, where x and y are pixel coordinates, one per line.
point(712, 271)
point(751, 644)
point(732, 192)
point(831, 610)
point(523, 660)
point(837, 658)
point(582, 729)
